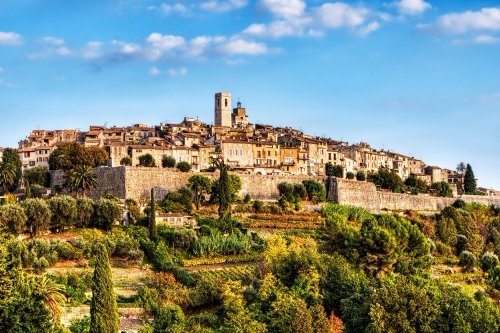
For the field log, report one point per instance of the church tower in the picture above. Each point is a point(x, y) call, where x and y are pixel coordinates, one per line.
point(223, 115)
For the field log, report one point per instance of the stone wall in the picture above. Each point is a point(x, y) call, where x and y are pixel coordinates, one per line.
point(136, 182)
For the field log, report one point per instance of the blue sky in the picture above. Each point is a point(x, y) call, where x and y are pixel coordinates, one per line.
point(417, 77)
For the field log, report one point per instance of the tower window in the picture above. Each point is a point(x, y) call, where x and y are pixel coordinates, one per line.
point(225, 102)
point(218, 101)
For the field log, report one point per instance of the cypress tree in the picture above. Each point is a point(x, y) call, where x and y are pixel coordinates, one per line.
point(469, 180)
point(152, 218)
point(224, 194)
point(103, 309)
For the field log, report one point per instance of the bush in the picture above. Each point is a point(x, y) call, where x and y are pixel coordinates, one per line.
point(258, 206)
point(38, 191)
point(12, 218)
point(184, 166)
point(361, 176)
point(442, 189)
point(80, 325)
point(147, 160)
point(38, 214)
point(247, 198)
point(467, 260)
point(387, 179)
point(106, 212)
point(489, 261)
point(459, 203)
point(349, 175)
point(168, 161)
point(126, 161)
point(64, 212)
point(84, 212)
point(461, 244)
point(38, 176)
point(494, 277)
point(315, 191)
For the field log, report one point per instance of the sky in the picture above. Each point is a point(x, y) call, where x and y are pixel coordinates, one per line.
point(416, 77)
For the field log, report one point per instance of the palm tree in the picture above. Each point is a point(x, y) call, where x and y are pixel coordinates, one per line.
point(81, 179)
point(50, 293)
point(7, 175)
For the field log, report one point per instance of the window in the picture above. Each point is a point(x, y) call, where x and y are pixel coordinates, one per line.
point(225, 102)
point(218, 101)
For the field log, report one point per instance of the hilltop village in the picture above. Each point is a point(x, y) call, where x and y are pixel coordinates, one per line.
point(246, 147)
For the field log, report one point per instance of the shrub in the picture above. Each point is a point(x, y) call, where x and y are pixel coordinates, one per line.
point(489, 261)
point(147, 160)
point(315, 191)
point(80, 325)
point(38, 214)
point(361, 176)
point(168, 161)
point(494, 277)
point(38, 191)
point(459, 203)
point(12, 218)
point(258, 206)
point(84, 212)
point(247, 198)
point(126, 161)
point(349, 175)
point(64, 211)
point(184, 166)
point(461, 244)
point(442, 189)
point(169, 319)
point(106, 212)
point(38, 176)
point(467, 260)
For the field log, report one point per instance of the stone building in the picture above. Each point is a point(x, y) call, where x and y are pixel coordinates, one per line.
point(239, 116)
point(222, 103)
point(238, 153)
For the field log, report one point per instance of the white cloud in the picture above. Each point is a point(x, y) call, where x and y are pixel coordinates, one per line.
point(52, 41)
point(368, 29)
point(10, 38)
point(165, 42)
point(5, 84)
point(337, 15)
point(2, 69)
point(127, 48)
point(243, 46)
point(483, 99)
point(458, 23)
point(154, 71)
point(92, 50)
point(223, 6)
point(411, 7)
point(284, 8)
point(181, 71)
point(486, 39)
point(274, 29)
point(176, 8)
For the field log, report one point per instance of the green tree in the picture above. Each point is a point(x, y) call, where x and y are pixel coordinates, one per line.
point(81, 180)
point(442, 189)
point(224, 193)
point(315, 190)
point(126, 161)
point(84, 212)
point(147, 160)
point(38, 213)
point(7, 176)
point(12, 218)
point(106, 212)
point(237, 318)
point(200, 185)
point(387, 179)
point(12, 159)
point(361, 176)
point(169, 319)
point(349, 175)
point(168, 161)
point(103, 309)
point(64, 212)
point(184, 166)
point(38, 175)
point(417, 185)
point(96, 156)
point(68, 156)
point(152, 218)
point(469, 181)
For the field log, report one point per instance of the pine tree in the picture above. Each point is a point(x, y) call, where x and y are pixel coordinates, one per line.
point(103, 309)
point(224, 194)
point(152, 218)
point(469, 181)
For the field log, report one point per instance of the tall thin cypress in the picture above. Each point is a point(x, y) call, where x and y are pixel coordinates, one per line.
point(224, 194)
point(469, 180)
point(152, 218)
point(103, 309)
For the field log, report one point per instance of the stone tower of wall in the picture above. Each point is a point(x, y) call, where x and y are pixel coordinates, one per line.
point(223, 109)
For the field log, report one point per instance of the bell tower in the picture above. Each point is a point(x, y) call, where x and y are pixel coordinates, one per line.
point(223, 115)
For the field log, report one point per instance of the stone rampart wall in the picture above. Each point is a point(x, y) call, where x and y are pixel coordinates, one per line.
point(136, 182)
